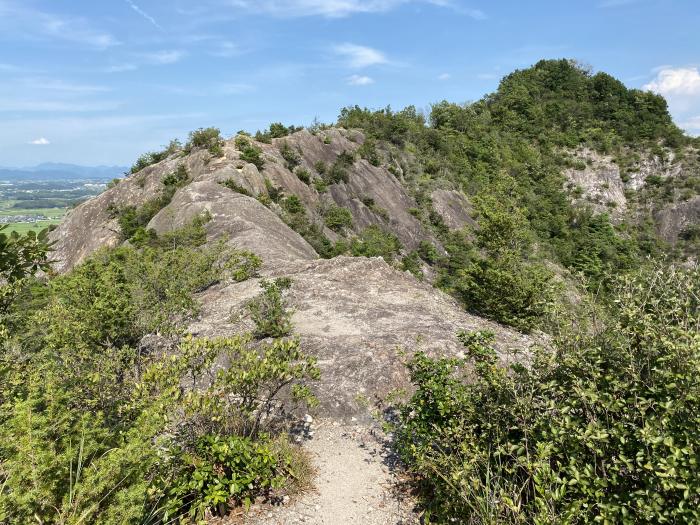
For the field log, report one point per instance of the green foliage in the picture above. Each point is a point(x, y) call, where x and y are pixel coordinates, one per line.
point(600, 428)
point(133, 220)
point(506, 289)
point(291, 157)
point(277, 130)
point(375, 242)
point(295, 216)
point(269, 311)
point(219, 471)
point(337, 218)
point(206, 138)
point(232, 185)
point(22, 255)
point(148, 159)
point(368, 151)
point(96, 427)
point(303, 175)
point(338, 172)
point(250, 152)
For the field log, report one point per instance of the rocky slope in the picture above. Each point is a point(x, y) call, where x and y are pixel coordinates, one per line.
point(654, 185)
point(354, 314)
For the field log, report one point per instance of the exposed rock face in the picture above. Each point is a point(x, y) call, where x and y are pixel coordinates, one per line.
point(244, 221)
point(354, 314)
point(454, 208)
point(674, 219)
point(601, 185)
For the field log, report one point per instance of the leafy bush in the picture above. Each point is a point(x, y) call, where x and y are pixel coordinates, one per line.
point(148, 159)
point(133, 221)
point(337, 218)
point(95, 427)
point(368, 151)
point(303, 175)
point(601, 428)
point(291, 156)
point(249, 152)
point(232, 185)
point(268, 310)
point(206, 138)
point(375, 242)
point(510, 291)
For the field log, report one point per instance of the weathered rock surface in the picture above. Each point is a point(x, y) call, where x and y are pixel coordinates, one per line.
point(353, 314)
point(601, 186)
point(356, 315)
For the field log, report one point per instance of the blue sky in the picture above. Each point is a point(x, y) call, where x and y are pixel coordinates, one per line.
point(98, 82)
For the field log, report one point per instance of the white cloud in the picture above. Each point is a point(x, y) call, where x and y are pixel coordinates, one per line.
point(681, 88)
point(225, 49)
point(691, 124)
point(40, 142)
point(145, 15)
point(341, 8)
point(165, 57)
point(120, 68)
point(444, 76)
point(58, 85)
point(360, 56)
point(360, 80)
point(682, 81)
point(22, 22)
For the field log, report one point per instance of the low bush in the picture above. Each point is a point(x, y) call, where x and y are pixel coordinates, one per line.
point(206, 138)
point(337, 218)
point(291, 157)
point(375, 242)
point(154, 157)
point(269, 311)
point(303, 175)
point(601, 428)
point(249, 152)
point(232, 185)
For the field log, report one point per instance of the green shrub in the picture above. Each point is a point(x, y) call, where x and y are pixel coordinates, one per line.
point(249, 152)
point(232, 185)
point(303, 175)
point(268, 310)
point(337, 218)
point(148, 159)
point(602, 428)
point(375, 242)
point(291, 157)
point(207, 138)
point(368, 151)
point(510, 291)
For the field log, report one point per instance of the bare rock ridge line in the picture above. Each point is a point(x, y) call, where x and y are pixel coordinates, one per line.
point(353, 314)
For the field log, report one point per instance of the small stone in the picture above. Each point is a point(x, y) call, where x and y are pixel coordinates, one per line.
point(308, 419)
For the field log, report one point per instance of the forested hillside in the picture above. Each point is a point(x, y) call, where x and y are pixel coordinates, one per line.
point(531, 254)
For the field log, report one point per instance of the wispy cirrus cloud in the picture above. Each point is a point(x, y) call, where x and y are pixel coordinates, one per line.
point(144, 14)
point(19, 21)
point(342, 8)
point(41, 141)
point(358, 57)
point(165, 57)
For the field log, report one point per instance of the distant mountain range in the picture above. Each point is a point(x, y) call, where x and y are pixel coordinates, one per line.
point(59, 171)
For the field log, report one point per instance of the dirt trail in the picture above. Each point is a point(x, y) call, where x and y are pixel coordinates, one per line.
point(354, 484)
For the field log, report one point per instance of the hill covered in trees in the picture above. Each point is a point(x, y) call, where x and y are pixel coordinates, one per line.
point(550, 228)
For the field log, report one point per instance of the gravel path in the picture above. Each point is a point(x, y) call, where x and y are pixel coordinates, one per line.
point(354, 484)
